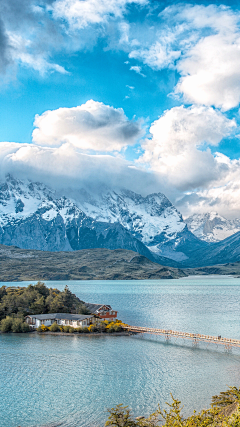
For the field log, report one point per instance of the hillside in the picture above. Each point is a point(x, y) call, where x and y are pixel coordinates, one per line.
point(90, 264)
point(225, 251)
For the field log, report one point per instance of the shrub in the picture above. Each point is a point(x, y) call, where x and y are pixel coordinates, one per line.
point(66, 328)
point(71, 330)
point(54, 327)
point(79, 330)
point(17, 325)
point(25, 327)
point(92, 328)
point(85, 330)
point(6, 324)
point(11, 324)
point(118, 328)
point(44, 328)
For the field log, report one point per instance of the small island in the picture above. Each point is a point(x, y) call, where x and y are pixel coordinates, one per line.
point(42, 309)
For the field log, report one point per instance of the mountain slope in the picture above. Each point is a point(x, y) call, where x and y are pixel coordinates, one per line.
point(226, 251)
point(212, 227)
point(152, 219)
point(31, 217)
point(35, 217)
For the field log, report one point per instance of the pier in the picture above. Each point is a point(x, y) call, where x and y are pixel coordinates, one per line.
point(195, 338)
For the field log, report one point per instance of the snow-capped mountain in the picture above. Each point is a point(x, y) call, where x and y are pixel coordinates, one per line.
point(33, 216)
point(152, 219)
point(212, 227)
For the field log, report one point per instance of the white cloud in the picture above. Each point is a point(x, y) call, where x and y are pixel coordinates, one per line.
point(65, 167)
point(91, 126)
point(137, 70)
point(20, 52)
point(157, 56)
point(81, 13)
point(203, 44)
point(211, 72)
point(178, 149)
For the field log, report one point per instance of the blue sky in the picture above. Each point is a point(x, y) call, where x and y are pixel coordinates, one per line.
point(148, 88)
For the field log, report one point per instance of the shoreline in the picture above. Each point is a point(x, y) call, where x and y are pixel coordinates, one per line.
point(90, 334)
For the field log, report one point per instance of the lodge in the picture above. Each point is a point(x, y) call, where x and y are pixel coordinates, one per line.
point(62, 319)
point(98, 311)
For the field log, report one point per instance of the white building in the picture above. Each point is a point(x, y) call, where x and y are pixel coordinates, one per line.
point(62, 319)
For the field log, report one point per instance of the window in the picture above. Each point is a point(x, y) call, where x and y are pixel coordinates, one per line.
point(70, 322)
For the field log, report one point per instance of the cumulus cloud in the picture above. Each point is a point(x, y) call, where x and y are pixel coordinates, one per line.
point(91, 126)
point(178, 148)
point(211, 72)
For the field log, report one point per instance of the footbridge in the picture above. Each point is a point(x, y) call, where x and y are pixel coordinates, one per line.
point(195, 338)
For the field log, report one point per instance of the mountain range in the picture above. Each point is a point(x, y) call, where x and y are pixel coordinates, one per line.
point(212, 227)
point(34, 216)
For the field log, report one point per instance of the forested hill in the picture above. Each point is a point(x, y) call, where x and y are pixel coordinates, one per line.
point(37, 299)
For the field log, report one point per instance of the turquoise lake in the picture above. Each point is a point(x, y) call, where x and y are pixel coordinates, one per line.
point(65, 381)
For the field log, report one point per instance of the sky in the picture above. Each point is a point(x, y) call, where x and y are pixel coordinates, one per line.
point(137, 93)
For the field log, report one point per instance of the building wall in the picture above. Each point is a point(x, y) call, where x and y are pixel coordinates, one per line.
point(63, 322)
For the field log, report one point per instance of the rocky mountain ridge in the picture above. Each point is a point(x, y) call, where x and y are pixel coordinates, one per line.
point(33, 216)
point(212, 227)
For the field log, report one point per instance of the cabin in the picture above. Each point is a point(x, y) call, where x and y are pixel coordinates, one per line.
point(62, 319)
point(104, 312)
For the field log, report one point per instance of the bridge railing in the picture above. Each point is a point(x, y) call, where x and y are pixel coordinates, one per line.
point(170, 332)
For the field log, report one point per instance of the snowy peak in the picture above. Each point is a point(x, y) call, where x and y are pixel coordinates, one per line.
point(212, 227)
point(22, 199)
point(34, 216)
point(145, 217)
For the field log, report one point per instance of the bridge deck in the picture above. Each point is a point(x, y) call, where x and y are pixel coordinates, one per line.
point(228, 342)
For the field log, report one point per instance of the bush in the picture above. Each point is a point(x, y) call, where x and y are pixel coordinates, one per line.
point(118, 328)
point(66, 328)
point(25, 327)
point(79, 330)
point(71, 330)
point(44, 328)
point(6, 324)
point(17, 325)
point(54, 327)
point(92, 328)
point(85, 330)
point(11, 324)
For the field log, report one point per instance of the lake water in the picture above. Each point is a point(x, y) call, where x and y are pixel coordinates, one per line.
point(70, 381)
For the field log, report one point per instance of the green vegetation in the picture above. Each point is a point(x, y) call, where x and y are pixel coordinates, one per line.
point(38, 299)
point(11, 324)
point(224, 412)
